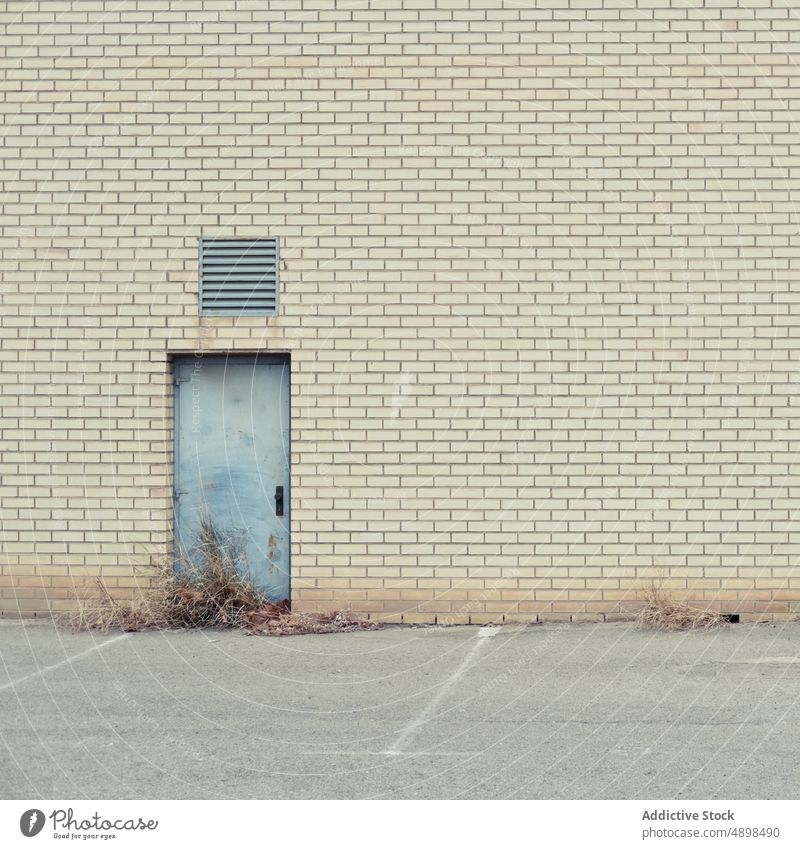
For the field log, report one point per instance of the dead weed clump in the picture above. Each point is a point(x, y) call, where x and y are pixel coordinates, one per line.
point(278, 621)
point(662, 613)
point(206, 590)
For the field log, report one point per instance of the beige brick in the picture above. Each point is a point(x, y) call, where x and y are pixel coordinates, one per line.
point(542, 330)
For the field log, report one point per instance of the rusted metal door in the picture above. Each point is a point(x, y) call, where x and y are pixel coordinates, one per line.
point(232, 431)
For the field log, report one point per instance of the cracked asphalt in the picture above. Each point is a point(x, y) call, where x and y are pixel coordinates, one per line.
point(554, 711)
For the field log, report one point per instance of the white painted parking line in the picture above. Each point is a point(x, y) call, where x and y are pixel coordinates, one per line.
point(11, 685)
point(408, 732)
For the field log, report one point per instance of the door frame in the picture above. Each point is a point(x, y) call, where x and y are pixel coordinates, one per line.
point(251, 356)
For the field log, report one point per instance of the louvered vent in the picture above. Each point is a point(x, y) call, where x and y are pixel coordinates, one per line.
point(239, 276)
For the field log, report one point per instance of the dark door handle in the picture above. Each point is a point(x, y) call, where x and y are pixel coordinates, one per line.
point(279, 501)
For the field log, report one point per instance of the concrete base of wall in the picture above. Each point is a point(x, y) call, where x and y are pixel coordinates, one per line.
point(748, 610)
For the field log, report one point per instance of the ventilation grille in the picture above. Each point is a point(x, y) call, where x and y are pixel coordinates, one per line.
point(239, 276)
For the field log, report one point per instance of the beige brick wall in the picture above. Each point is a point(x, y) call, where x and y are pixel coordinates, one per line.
point(540, 290)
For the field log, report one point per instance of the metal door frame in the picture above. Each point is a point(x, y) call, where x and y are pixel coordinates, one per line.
point(275, 357)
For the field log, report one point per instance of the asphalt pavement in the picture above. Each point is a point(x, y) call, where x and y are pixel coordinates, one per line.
point(587, 711)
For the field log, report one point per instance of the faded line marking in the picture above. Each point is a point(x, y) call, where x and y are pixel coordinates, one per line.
point(406, 754)
point(426, 714)
point(10, 685)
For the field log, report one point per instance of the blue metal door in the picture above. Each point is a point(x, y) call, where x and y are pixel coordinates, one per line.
point(232, 433)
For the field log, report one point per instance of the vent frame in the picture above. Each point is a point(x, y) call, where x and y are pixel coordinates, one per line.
point(210, 289)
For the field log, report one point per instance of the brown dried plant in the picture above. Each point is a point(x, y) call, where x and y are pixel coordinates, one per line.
point(207, 590)
point(661, 612)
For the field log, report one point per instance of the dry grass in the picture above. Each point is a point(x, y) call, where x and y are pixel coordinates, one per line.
point(278, 621)
point(662, 613)
point(208, 590)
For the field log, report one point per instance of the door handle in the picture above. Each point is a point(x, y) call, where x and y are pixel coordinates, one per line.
point(279, 501)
